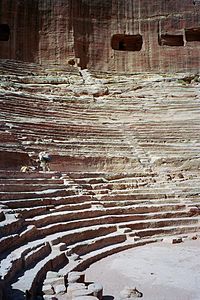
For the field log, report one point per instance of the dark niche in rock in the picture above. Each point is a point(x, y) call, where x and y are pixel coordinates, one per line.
point(4, 32)
point(192, 34)
point(171, 40)
point(125, 42)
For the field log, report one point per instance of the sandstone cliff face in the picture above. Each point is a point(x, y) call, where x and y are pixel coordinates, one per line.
point(22, 19)
point(56, 31)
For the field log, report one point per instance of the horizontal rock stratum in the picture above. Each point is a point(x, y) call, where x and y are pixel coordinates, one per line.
point(103, 35)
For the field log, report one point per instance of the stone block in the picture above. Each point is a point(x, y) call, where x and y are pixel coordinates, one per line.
point(195, 210)
point(81, 292)
point(177, 240)
point(127, 230)
point(63, 247)
point(60, 289)
point(53, 281)
point(136, 238)
point(129, 292)
point(167, 240)
point(75, 286)
point(47, 297)
point(47, 289)
point(51, 274)
point(96, 289)
point(76, 277)
point(74, 257)
point(60, 247)
point(84, 298)
point(173, 240)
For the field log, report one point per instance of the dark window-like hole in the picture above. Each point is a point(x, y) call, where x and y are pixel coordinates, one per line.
point(4, 32)
point(125, 42)
point(170, 40)
point(192, 34)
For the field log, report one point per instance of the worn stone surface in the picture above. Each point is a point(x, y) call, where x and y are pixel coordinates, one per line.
point(130, 293)
point(160, 263)
point(60, 289)
point(66, 32)
point(123, 170)
point(47, 289)
point(97, 290)
point(85, 298)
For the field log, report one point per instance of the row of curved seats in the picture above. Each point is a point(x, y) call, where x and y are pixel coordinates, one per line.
point(107, 191)
point(54, 226)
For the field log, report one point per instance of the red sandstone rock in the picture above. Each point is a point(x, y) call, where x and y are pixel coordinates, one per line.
point(60, 32)
point(13, 160)
point(158, 206)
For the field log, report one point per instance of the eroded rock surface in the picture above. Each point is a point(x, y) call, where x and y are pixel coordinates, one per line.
point(111, 36)
point(124, 171)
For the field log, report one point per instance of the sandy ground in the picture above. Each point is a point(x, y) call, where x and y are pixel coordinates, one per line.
point(160, 271)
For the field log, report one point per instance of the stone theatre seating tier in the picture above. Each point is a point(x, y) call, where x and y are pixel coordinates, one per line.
point(124, 168)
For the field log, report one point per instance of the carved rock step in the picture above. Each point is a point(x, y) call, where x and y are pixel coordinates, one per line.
point(85, 176)
point(11, 225)
point(40, 201)
point(32, 279)
point(24, 260)
point(69, 216)
point(32, 237)
point(10, 242)
point(160, 223)
point(125, 203)
point(11, 188)
point(112, 219)
point(190, 220)
point(51, 128)
point(58, 192)
point(5, 174)
point(140, 191)
point(94, 256)
point(30, 180)
point(27, 213)
point(96, 243)
point(44, 264)
point(39, 268)
point(132, 195)
point(159, 232)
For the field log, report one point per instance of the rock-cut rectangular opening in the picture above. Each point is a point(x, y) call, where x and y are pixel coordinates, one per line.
point(125, 42)
point(192, 34)
point(171, 40)
point(4, 32)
